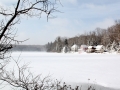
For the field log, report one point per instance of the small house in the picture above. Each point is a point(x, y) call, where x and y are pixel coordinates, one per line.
point(99, 49)
point(83, 48)
point(91, 49)
point(74, 48)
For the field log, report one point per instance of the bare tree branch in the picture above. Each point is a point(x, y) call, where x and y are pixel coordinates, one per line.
point(12, 17)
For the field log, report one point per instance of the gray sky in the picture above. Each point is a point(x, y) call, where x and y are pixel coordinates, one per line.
point(78, 17)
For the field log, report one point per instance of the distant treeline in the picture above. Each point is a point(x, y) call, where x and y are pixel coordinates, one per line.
point(28, 48)
point(95, 37)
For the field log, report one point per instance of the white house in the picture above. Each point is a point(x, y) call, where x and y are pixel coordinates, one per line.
point(99, 49)
point(83, 48)
point(74, 48)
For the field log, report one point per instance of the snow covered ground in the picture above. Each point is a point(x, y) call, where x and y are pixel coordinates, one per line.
point(102, 69)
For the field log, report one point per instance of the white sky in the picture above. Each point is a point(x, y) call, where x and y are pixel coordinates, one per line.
point(78, 16)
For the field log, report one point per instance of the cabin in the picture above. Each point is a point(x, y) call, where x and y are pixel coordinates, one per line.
point(83, 48)
point(96, 49)
point(99, 49)
point(91, 49)
point(74, 48)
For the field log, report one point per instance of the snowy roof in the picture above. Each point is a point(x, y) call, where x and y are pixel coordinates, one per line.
point(84, 46)
point(90, 47)
point(98, 47)
point(74, 46)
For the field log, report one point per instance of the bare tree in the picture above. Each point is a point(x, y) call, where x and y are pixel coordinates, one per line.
point(11, 17)
point(29, 8)
point(22, 78)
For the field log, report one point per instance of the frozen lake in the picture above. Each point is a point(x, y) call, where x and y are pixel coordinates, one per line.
point(102, 69)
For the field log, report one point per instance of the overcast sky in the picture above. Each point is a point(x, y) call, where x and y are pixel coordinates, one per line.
point(79, 16)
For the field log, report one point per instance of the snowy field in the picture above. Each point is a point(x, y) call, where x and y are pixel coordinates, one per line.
point(102, 69)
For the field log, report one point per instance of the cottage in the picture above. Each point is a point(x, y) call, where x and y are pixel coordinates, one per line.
point(83, 48)
point(99, 49)
point(74, 48)
point(91, 49)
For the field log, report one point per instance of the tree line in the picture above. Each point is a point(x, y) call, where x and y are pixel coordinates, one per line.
point(28, 48)
point(98, 36)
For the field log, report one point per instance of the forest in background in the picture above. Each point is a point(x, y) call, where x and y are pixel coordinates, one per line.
point(98, 36)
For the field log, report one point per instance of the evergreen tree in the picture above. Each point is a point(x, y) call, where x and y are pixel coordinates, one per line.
point(59, 45)
point(66, 42)
point(66, 45)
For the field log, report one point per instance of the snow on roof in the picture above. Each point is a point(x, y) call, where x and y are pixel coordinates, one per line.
point(98, 47)
point(90, 47)
point(84, 46)
point(74, 46)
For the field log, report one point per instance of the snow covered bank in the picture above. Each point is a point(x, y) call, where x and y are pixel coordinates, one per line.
point(102, 69)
